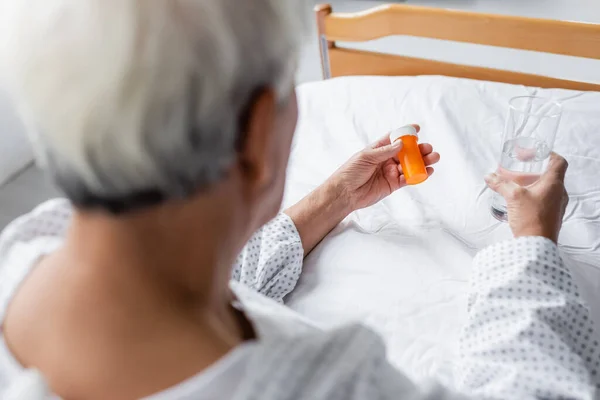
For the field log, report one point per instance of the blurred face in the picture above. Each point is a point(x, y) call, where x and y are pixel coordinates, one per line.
point(264, 159)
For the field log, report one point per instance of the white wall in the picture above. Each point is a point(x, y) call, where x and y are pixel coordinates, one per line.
point(15, 152)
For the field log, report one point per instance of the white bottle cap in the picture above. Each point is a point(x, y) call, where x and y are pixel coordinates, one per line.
point(403, 131)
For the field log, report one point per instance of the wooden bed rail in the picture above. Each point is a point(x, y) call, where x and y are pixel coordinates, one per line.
point(547, 36)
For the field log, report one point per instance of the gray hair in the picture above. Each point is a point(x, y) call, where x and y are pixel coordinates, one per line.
point(137, 101)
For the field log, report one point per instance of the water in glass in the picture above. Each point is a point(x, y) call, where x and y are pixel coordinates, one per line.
point(523, 160)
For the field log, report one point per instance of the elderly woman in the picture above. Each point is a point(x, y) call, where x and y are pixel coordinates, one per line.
point(168, 124)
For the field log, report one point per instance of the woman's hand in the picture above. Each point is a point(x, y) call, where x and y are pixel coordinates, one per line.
point(538, 209)
point(365, 179)
point(375, 173)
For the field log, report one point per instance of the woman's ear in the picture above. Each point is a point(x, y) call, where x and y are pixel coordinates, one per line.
point(258, 135)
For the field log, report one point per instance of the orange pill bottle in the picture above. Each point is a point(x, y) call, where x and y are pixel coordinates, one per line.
point(410, 156)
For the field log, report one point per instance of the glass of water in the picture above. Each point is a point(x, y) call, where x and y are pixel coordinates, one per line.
point(529, 134)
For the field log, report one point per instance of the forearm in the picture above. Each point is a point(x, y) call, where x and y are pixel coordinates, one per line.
point(529, 332)
point(271, 262)
point(318, 213)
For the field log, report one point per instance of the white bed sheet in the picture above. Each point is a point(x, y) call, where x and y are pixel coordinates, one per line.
point(403, 265)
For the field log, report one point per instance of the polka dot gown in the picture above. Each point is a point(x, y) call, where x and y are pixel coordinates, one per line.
point(529, 334)
point(271, 262)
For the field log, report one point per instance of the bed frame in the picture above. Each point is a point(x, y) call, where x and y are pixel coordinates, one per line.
point(548, 36)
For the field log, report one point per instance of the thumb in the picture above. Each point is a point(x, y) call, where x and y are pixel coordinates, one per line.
point(557, 168)
point(383, 153)
point(500, 186)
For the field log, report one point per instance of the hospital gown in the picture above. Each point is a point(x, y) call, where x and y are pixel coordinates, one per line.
point(529, 333)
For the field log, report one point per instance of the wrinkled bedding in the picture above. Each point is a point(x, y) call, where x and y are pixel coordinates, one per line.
point(403, 265)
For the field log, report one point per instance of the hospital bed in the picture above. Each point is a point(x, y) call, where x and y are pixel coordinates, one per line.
point(403, 266)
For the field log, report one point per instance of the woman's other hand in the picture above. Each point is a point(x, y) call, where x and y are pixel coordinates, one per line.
point(538, 209)
point(374, 173)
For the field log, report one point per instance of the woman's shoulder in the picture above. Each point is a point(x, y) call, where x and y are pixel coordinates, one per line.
point(49, 219)
point(26, 239)
point(21, 242)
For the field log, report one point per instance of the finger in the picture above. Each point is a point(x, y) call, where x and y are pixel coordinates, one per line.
point(402, 181)
point(557, 167)
point(425, 148)
point(381, 154)
point(381, 142)
point(431, 158)
point(430, 171)
point(500, 186)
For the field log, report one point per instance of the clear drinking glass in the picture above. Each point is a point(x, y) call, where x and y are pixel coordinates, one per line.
point(529, 134)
